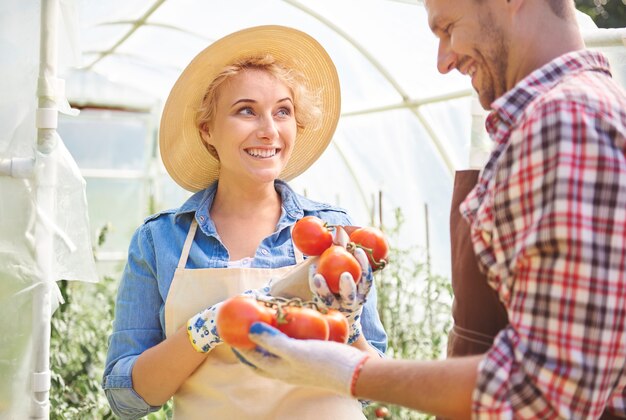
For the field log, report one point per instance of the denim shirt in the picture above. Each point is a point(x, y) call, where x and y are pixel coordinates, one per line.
point(153, 255)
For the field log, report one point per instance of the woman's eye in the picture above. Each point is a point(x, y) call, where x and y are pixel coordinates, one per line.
point(283, 112)
point(246, 110)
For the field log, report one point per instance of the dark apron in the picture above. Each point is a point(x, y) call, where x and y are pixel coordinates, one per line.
point(477, 312)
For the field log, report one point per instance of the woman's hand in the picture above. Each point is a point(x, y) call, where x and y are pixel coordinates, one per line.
point(352, 296)
point(202, 330)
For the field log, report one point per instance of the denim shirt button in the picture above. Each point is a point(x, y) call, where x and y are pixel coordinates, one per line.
point(265, 252)
point(202, 218)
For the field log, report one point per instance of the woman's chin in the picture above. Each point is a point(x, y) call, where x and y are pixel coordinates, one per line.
point(264, 177)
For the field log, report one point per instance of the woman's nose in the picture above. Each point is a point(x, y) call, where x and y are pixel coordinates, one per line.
point(267, 128)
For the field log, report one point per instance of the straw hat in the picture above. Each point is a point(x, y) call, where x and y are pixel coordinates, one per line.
point(186, 158)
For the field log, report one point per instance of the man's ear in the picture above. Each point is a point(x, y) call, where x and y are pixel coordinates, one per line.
point(514, 6)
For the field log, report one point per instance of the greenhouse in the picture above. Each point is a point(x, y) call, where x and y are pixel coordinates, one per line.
point(84, 88)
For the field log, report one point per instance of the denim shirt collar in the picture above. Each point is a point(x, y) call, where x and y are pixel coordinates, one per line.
point(292, 208)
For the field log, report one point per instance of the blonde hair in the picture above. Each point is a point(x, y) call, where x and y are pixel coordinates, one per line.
point(307, 106)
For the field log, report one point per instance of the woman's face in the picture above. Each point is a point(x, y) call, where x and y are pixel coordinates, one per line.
point(254, 129)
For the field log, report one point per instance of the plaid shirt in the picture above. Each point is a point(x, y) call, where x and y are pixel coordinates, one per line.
point(548, 225)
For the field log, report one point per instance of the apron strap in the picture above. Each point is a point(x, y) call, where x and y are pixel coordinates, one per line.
point(182, 262)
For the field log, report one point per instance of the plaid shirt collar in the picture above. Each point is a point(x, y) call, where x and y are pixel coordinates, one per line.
point(507, 109)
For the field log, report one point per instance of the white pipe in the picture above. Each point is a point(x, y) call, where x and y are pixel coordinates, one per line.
point(46, 178)
point(480, 145)
point(605, 37)
point(17, 167)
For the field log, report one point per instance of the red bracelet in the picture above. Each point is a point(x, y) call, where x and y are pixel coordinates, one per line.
point(355, 375)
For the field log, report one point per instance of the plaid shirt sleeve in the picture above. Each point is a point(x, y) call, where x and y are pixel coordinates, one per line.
point(551, 236)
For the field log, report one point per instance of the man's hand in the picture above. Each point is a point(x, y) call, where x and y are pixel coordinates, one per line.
point(325, 364)
point(351, 297)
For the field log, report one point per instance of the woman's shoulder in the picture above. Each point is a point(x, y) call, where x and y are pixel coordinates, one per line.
point(325, 211)
point(173, 215)
point(161, 214)
point(297, 206)
point(164, 223)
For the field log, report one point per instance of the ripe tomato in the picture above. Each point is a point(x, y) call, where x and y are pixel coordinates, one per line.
point(381, 412)
point(303, 323)
point(235, 317)
point(311, 235)
point(338, 327)
point(372, 238)
point(336, 261)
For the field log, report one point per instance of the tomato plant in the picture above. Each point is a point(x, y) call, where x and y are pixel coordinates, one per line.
point(373, 242)
point(311, 235)
point(338, 327)
point(336, 261)
point(235, 317)
point(302, 323)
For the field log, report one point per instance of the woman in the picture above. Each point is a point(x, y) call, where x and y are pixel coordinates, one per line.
point(244, 116)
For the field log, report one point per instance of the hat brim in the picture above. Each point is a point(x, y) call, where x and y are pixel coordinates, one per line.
point(184, 155)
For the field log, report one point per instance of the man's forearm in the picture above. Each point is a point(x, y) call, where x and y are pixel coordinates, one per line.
point(442, 387)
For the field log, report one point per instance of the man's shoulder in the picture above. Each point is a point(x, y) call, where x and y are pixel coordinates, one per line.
point(592, 92)
point(590, 85)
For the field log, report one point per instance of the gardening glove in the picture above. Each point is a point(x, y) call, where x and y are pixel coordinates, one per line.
point(201, 328)
point(351, 296)
point(326, 364)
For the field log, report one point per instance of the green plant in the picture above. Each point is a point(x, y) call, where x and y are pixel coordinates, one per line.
point(604, 13)
point(80, 328)
point(415, 308)
point(79, 341)
point(78, 346)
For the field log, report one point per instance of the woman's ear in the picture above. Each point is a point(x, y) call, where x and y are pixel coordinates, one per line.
point(206, 137)
point(208, 143)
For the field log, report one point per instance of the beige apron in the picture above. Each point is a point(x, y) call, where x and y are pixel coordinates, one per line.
point(222, 387)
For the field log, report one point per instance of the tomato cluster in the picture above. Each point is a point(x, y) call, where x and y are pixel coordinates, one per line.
point(297, 319)
point(374, 243)
point(335, 261)
point(313, 237)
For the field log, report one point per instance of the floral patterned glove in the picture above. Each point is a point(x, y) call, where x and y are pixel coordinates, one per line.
point(351, 296)
point(201, 328)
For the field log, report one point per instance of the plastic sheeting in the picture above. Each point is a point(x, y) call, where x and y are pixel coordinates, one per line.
point(390, 139)
point(24, 221)
point(404, 128)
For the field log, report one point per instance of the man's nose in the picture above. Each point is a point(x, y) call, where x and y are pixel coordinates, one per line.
point(446, 58)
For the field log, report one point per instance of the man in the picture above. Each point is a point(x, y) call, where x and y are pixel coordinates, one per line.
point(547, 223)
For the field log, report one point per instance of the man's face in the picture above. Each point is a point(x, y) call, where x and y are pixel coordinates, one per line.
point(471, 40)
